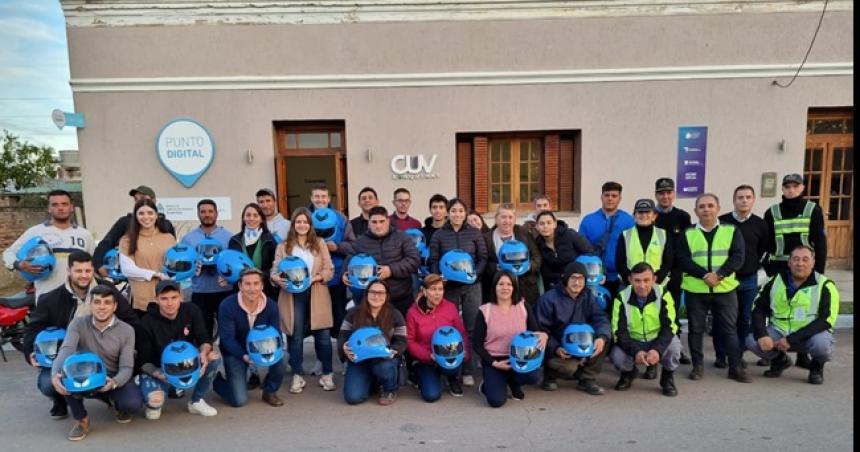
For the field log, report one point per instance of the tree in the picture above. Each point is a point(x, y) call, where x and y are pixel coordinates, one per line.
point(24, 165)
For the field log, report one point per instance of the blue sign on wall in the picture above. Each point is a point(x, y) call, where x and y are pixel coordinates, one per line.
point(692, 145)
point(185, 149)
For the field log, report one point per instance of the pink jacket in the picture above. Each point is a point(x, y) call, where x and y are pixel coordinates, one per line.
point(420, 327)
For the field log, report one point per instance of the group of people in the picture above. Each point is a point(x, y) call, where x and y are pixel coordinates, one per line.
point(653, 259)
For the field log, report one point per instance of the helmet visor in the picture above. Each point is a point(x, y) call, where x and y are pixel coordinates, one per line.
point(593, 269)
point(182, 367)
point(208, 251)
point(464, 265)
point(111, 261)
point(361, 271)
point(525, 353)
point(515, 257)
point(448, 350)
point(376, 340)
point(49, 347)
point(178, 265)
point(295, 275)
point(40, 250)
point(325, 233)
point(82, 370)
point(581, 337)
point(417, 240)
point(265, 346)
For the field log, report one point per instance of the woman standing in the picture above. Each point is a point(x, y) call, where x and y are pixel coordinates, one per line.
point(475, 220)
point(309, 308)
point(506, 228)
point(257, 243)
point(142, 251)
point(559, 245)
point(501, 319)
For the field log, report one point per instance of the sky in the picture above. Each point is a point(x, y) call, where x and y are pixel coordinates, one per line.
point(34, 72)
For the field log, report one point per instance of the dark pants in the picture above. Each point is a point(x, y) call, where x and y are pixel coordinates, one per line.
point(209, 304)
point(125, 398)
point(234, 389)
point(583, 369)
point(429, 381)
point(322, 338)
point(496, 382)
point(338, 306)
point(747, 291)
point(359, 377)
point(674, 287)
point(724, 307)
point(43, 382)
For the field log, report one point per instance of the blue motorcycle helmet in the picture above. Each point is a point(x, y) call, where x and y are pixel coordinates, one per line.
point(526, 354)
point(47, 345)
point(514, 256)
point(277, 238)
point(578, 340)
point(111, 263)
point(601, 295)
point(457, 265)
point(180, 262)
point(84, 373)
point(37, 252)
point(419, 240)
point(265, 345)
point(180, 364)
point(327, 224)
point(294, 271)
point(230, 264)
point(368, 342)
point(207, 250)
point(448, 347)
point(361, 270)
point(594, 269)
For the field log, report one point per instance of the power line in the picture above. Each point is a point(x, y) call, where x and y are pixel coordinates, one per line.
point(814, 35)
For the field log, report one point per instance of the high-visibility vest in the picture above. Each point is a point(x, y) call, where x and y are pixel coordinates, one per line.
point(710, 257)
point(796, 225)
point(789, 315)
point(653, 254)
point(643, 324)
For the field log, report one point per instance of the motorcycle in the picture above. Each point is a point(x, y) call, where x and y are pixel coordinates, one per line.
point(14, 316)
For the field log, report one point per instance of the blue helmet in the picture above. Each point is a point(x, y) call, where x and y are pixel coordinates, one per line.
point(526, 354)
point(368, 342)
point(419, 240)
point(230, 264)
point(47, 345)
point(578, 340)
point(180, 364)
point(265, 345)
point(277, 238)
point(448, 347)
point(180, 262)
point(111, 263)
point(37, 252)
point(514, 257)
point(594, 269)
point(294, 272)
point(457, 265)
point(207, 250)
point(361, 270)
point(327, 224)
point(84, 373)
point(601, 296)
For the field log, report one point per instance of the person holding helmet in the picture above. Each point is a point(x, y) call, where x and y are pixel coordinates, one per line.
point(168, 320)
point(643, 325)
point(255, 241)
point(466, 296)
point(500, 320)
point(559, 245)
point(142, 252)
point(102, 333)
point(207, 291)
point(374, 311)
point(430, 312)
point(310, 308)
point(60, 234)
point(569, 302)
point(238, 313)
point(506, 229)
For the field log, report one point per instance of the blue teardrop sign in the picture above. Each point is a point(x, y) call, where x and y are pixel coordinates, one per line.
point(185, 149)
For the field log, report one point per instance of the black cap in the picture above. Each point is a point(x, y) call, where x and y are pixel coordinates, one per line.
point(166, 284)
point(571, 268)
point(644, 205)
point(792, 178)
point(664, 184)
point(143, 189)
point(265, 192)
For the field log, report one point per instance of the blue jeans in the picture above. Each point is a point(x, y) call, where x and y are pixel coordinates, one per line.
point(322, 338)
point(43, 382)
point(429, 382)
point(747, 291)
point(496, 382)
point(234, 389)
point(359, 377)
point(338, 306)
point(150, 387)
point(125, 398)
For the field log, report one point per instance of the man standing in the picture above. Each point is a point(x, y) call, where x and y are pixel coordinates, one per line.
point(438, 206)
point(542, 202)
point(278, 225)
point(603, 227)
point(400, 217)
point(367, 199)
point(794, 221)
point(62, 236)
point(795, 311)
point(710, 254)
point(206, 290)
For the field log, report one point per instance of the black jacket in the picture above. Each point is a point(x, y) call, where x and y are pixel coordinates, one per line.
point(645, 234)
point(467, 239)
point(792, 208)
point(154, 332)
point(731, 265)
point(568, 245)
point(761, 311)
point(119, 228)
point(428, 229)
point(396, 250)
point(754, 230)
point(622, 334)
point(528, 281)
point(675, 222)
point(267, 241)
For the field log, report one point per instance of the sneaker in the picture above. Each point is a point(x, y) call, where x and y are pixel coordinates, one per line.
point(517, 393)
point(590, 387)
point(454, 387)
point(721, 363)
point(202, 408)
point(297, 384)
point(387, 398)
point(152, 414)
point(327, 382)
point(79, 430)
point(59, 411)
point(468, 380)
point(122, 417)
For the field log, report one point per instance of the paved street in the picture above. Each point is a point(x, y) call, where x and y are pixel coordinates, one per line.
point(713, 414)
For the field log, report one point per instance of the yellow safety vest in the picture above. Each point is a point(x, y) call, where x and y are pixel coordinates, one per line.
point(653, 254)
point(643, 325)
point(710, 258)
point(796, 225)
point(789, 315)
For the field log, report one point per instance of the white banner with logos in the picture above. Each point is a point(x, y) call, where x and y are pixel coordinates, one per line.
point(185, 209)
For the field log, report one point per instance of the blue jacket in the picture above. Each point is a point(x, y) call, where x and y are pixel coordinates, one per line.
point(233, 325)
point(207, 281)
point(593, 227)
point(556, 310)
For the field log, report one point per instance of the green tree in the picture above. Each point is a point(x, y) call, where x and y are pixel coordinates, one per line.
point(24, 165)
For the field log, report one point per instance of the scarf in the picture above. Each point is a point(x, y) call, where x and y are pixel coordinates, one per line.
point(252, 235)
point(252, 314)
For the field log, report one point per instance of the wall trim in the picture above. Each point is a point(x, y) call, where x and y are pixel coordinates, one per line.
point(342, 81)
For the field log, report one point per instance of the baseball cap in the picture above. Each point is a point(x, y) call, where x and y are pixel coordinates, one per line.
point(644, 205)
point(664, 184)
point(792, 178)
point(143, 189)
point(166, 284)
point(266, 192)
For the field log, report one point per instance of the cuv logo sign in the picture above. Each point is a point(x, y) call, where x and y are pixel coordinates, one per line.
point(409, 164)
point(185, 149)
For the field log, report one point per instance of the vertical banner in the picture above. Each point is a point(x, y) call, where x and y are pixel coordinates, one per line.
point(692, 144)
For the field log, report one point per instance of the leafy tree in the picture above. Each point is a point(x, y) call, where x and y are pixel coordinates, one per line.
point(24, 165)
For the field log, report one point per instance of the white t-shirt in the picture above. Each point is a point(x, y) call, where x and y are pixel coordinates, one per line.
point(305, 255)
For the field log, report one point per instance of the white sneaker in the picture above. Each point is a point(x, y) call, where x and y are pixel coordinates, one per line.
point(297, 384)
point(327, 382)
point(152, 414)
point(202, 408)
point(468, 380)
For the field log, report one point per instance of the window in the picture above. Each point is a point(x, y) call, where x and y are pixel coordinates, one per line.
point(514, 170)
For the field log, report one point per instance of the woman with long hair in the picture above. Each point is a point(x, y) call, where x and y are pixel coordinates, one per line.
point(142, 251)
point(256, 242)
point(310, 308)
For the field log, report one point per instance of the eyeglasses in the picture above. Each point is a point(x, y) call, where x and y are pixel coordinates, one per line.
point(376, 293)
point(579, 279)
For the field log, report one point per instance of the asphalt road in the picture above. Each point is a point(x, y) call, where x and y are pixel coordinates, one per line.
point(714, 414)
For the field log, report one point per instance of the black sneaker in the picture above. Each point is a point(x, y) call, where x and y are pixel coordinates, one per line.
point(684, 359)
point(59, 411)
point(253, 382)
point(517, 392)
point(590, 387)
point(454, 387)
